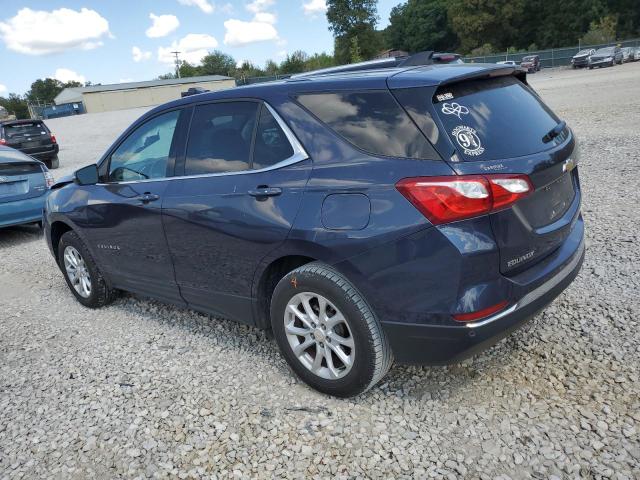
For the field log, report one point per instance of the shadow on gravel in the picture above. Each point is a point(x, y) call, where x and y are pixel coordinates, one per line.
point(12, 236)
point(437, 383)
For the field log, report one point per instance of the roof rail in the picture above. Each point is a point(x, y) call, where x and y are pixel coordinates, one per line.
point(421, 58)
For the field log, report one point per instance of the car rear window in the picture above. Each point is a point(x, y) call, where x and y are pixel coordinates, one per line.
point(19, 168)
point(372, 121)
point(495, 118)
point(24, 129)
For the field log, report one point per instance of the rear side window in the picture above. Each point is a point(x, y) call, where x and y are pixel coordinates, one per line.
point(272, 145)
point(495, 118)
point(33, 129)
point(372, 121)
point(220, 138)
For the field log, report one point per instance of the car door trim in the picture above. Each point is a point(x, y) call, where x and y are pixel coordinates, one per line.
point(299, 154)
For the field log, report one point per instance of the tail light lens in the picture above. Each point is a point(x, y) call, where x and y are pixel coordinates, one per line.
point(3, 141)
point(48, 178)
point(452, 198)
point(53, 138)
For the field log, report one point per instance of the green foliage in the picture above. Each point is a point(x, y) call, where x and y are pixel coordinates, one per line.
point(603, 31)
point(486, 49)
point(15, 104)
point(44, 90)
point(419, 25)
point(248, 69)
point(355, 55)
point(294, 63)
point(318, 61)
point(217, 63)
point(271, 67)
point(349, 19)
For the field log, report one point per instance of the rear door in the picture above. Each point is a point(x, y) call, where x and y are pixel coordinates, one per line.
point(243, 178)
point(499, 125)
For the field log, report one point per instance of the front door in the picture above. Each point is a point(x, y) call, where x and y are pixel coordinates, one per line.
point(242, 185)
point(125, 214)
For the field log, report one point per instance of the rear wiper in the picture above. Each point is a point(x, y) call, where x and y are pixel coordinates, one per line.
point(554, 132)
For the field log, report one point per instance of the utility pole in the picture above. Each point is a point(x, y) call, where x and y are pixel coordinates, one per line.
point(177, 63)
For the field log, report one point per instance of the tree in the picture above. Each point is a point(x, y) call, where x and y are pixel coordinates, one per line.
point(355, 55)
point(603, 31)
point(45, 90)
point(271, 68)
point(248, 69)
point(16, 105)
point(294, 63)
point(318, 61)
point(217, 63)
point(353, 18)
point(477, 22)
point(420, 25)
point(188, 70)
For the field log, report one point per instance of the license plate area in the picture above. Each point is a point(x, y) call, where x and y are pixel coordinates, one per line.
point(548, 204)
point(11, 188)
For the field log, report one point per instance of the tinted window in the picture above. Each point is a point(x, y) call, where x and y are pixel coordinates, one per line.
point(220, 138)
point(372, 121)
point(34, 129)
point(272, 145)
point(493, 119)
point(145, 153)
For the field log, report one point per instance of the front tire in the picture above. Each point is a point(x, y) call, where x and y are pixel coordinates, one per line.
point(82, 273)
point(327, 332)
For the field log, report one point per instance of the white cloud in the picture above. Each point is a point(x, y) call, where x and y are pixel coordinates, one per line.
point(162, 25)
point(265, 17)
point(204, 5)
point(227, 8)
point(314, 7)
point(139, 55)
point(239, 33)
point(38, 32)
point(65, 75)
point(3, 89)
point(259, 5)
point(191, 47)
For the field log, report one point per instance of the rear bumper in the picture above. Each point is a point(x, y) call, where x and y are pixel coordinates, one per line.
point(45, 151)
point(444, 344)
point(22, 211)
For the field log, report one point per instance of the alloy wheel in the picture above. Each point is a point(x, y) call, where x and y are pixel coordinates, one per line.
point(319, 335)
point(77, 271)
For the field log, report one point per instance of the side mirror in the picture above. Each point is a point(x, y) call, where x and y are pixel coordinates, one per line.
point(87, 175)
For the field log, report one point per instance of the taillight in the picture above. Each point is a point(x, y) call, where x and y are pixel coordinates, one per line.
point(3, 141)
point(48, 178)
point(452, 198)
point(53, 138)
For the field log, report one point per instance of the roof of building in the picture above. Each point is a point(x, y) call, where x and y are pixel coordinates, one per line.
point(152, 83)
point(73, 94)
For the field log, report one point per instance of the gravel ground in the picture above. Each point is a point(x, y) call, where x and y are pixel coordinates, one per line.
point(144, 390)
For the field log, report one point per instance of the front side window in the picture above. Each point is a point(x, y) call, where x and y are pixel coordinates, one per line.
point(272, 145)
point(220, 138)
point(145, 153)
point(372, 121)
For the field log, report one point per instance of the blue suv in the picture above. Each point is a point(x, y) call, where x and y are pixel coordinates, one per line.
point(416, 213)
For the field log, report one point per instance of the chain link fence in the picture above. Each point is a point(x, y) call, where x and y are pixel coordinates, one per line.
point(554, 57)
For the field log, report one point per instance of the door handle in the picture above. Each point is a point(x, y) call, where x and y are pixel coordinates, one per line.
point(265, 192)
point(148, 197)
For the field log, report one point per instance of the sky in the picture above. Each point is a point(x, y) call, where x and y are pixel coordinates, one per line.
point(113, 41)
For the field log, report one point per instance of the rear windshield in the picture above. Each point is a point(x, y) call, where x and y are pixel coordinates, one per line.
point(494, 119)
point(25, 130)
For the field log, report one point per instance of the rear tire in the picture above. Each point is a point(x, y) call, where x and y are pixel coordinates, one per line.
point(53, 163)
point(82, 273)
point(347, 351)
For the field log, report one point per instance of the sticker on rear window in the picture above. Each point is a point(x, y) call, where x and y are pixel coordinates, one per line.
point(454, 108)
point(468, 139)
point(444, 96)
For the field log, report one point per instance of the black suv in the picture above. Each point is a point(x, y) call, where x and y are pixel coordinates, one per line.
point(31, 137)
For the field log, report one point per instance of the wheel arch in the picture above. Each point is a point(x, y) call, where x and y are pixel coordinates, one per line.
point(58, 228)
